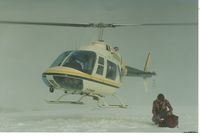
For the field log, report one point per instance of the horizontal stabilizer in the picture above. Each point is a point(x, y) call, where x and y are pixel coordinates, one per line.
point(138, 73)
point(141, 73)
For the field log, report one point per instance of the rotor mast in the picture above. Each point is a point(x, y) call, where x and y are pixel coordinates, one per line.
point(100, 34)
point(101, 27)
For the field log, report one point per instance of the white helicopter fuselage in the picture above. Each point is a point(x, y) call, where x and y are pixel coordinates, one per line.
point(101, 71)
point(95, 70)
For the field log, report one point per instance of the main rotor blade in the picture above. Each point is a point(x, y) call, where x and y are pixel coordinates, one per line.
point(97, 25)
point(157, 24)
point(45, 23)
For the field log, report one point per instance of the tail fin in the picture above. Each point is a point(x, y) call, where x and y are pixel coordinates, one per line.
point(147, 63)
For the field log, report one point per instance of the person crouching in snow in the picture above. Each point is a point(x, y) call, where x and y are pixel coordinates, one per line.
point(161, 109)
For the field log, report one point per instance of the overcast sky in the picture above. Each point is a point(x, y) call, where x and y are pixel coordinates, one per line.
point(26, 51)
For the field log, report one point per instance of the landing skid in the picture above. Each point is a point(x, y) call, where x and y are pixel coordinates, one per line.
point(101, 102)
point(113, 106)
point(64, 102)
point(58, 100)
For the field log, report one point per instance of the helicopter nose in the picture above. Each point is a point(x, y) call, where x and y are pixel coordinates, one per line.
point(65, 82)
point(69, 83)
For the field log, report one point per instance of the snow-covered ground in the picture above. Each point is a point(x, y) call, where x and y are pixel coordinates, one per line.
point(91, 119)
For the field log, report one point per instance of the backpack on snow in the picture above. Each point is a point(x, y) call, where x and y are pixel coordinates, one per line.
point(171, 121)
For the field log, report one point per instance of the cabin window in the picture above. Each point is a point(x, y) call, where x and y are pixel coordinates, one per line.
point(100, 67)
point(111, 70)
point(81, 60)
point(100, 70)
point(101, 61)
point(60, 58)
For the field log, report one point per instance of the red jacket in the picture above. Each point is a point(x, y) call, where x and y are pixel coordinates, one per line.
point(161, 105)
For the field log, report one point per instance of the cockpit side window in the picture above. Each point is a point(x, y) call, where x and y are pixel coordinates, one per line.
point(81, 60)
point(100, 67)
point(60, 58)
point(111, 70)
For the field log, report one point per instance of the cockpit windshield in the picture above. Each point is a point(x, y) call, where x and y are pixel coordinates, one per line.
point(81, 60)
point(60, 59)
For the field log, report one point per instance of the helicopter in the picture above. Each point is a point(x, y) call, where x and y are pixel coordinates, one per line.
point(95, 70)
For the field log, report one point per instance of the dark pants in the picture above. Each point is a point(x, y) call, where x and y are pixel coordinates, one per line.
point(160, 118)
